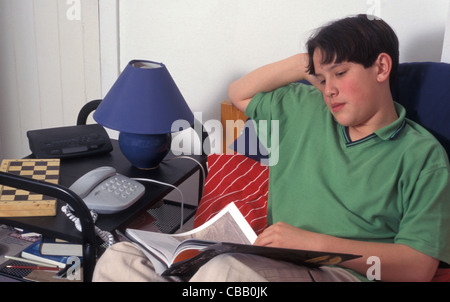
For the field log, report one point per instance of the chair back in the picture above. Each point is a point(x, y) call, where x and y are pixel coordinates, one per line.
point(423, 88)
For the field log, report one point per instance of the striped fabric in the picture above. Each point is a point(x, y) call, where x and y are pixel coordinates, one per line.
point(239, 179)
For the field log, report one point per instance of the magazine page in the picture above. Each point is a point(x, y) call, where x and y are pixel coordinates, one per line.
point(162, 246)
point(230, 219)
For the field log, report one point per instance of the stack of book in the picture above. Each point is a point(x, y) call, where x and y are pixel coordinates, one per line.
point(29, 256)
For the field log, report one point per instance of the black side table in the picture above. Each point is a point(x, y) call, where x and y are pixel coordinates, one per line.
point(173, 170)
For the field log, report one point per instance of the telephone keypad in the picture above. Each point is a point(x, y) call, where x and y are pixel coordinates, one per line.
point(114, 194)
point(120, 186)
point(106, 191)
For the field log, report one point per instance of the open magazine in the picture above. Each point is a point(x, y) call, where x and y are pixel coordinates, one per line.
point(227, 232)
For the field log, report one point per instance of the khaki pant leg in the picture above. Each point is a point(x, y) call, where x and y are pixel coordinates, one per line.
point(125, 262)
point(251, 268)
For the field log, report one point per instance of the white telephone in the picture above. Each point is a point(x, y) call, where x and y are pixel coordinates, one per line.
point(105, 191)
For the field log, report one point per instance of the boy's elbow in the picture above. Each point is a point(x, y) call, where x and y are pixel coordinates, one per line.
point(423, 269)
point(420, 269)
point(419, 277)
point(426, 274)
point(233, 94)
point(236, 98)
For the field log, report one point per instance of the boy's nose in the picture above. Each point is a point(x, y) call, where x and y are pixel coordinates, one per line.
point(331, 91)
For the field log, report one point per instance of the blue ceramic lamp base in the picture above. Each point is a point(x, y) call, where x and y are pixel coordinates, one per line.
point(145, 151)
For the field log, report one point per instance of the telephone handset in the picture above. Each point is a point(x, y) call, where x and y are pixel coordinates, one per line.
point(106, 192)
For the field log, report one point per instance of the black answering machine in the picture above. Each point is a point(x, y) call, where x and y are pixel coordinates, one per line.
point(71, 141)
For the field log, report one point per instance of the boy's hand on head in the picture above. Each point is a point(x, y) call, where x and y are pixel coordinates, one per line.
point(270, 77)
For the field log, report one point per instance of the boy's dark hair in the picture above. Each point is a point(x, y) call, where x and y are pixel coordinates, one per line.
point(358, 39)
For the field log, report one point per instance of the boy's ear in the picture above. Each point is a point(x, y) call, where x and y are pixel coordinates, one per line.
point(384, 67)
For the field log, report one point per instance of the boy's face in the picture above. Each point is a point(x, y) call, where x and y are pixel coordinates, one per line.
point(349, 90)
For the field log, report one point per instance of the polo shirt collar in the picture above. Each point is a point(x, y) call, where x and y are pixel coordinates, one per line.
point(391, 131)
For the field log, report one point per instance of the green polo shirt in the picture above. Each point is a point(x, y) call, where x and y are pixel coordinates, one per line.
point(392, 186)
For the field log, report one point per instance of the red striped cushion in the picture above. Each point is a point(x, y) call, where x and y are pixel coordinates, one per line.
point(239, 179)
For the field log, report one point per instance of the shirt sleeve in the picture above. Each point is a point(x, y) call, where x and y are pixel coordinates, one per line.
point(261, 111)
point(282, 105)
point(425, 225)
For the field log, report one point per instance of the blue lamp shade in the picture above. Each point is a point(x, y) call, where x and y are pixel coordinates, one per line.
point(143, 104)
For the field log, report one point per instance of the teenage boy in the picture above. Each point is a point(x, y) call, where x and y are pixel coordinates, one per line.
point(353, 174)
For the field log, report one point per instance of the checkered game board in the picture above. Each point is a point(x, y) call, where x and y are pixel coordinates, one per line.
point(41, 169)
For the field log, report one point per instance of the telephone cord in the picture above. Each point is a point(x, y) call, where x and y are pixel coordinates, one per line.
point(106, 236)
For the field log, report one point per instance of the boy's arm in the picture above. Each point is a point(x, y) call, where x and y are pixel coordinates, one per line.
point(268, 78)
point(398, 262)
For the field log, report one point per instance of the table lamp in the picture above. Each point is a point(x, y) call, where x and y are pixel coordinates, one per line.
point(142, 105)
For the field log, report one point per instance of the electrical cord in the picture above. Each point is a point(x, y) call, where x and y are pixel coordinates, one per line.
point(172, 186)
point(197, 162)
point(176, 188)
point(203, 178)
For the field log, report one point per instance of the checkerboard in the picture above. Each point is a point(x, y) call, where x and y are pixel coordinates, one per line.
point(16, 202)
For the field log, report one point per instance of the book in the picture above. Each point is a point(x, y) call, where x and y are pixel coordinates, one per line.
point(15, 202)
point(33, 252)
point(58, 247)
point(227, 232)
point(13, 242)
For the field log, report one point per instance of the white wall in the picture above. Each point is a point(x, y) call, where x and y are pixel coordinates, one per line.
point(446, 47)
point(206, 44)
point(52, 64)
point(50, 67)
